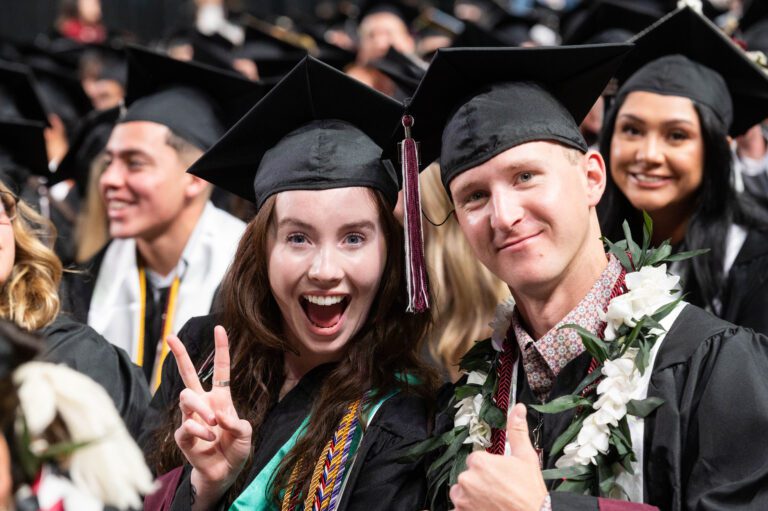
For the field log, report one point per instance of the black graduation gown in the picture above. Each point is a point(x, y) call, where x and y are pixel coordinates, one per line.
point(377, 480)
point(80, 347)
point(77, 287)
point(745, 295)
point(705, 448)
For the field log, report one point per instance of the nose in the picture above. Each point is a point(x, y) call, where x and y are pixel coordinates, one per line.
point(112, 176)
point(649, 150)
point(507, 211)
point(326, 269)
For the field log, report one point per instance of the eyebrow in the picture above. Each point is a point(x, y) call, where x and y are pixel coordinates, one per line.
point(351, 226)
point(671, 121)
point(523, 164)
point(127, 153)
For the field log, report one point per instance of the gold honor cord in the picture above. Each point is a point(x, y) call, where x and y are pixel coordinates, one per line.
point(167, 325)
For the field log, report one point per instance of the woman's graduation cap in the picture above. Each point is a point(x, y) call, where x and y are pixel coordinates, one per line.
point(684, 54)
point(195, 101)
point(609, 21)
point(318, 129)
point(18, 97)
point(474, 104)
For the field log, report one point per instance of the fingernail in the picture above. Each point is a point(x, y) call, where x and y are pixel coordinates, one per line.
point(519, 413)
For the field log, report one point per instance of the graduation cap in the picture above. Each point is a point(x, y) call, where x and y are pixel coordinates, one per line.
point(753, 12)
point(756, 37)
point(274, 51)
point(404, 71)
point(104, 62)
point(23, 143)
point(684, 54)
point(514, 29)
point(197, 102)
point(90, 140)
point(474, 104)
point(19, 98)
point(609, 21)
point(474, 36)
point(300, 136)
point(406, 10)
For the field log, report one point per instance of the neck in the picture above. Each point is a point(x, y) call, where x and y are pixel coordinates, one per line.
point(543, 308)
point(161, 253)
point(671, 223)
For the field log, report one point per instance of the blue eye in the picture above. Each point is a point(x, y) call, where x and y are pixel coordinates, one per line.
point(355, 239)
point(525, 177)
point(296, 238)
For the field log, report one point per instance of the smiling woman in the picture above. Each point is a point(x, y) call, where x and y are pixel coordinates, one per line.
point(665, 142)
point(326, 389)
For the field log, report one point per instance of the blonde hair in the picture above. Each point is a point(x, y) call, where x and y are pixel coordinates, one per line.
point(30, 296)
point(465, 293)
point(92, 225)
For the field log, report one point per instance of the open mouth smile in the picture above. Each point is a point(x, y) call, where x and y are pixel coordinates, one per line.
point(325, 312)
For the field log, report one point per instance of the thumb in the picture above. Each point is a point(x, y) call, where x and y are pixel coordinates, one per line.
point(517, 435)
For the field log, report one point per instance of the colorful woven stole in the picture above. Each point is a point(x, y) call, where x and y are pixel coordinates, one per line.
point(330, 471)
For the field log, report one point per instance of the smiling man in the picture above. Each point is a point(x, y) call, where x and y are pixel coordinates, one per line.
point(170, 245)
point(525, 188)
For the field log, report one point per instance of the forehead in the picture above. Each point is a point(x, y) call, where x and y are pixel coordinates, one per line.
point(382, 21)
point(658, 107)
point(145, 136)
point(327, 208)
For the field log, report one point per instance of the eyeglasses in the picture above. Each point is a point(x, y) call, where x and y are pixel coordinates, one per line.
point(8, 202)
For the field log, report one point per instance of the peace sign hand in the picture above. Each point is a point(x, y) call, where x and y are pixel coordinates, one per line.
point(212, 437)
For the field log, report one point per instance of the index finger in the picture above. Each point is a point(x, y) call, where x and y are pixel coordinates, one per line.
point(221, 358)
point(186, 367)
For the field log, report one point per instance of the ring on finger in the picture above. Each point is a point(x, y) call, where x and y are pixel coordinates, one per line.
point(221, 383)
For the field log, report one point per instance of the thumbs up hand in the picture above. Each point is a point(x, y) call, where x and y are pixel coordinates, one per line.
point(503, 483)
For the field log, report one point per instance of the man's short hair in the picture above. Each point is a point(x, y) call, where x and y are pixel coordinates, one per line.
point(188, 152)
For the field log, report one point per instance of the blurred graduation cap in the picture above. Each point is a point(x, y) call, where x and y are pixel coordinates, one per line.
point(404, 71)
point(685, 54)
point(473, 104)
point(197, 102)
point(756, 37)
point(609, 21)
point(514, 29)
point(23, 143)
point(89, 141)
point(104, 62)
point(19, 98)
point(300, 136)
point(474, 36)
point(274, 51)
point(753, 12)
point(406, 10)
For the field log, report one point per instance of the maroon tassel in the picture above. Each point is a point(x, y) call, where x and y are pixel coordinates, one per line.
point(416, 268)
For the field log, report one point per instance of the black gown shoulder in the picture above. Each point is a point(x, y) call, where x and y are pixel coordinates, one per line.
point(745, 296)
point(77, 286)
point(377, 479)
point(80, 347)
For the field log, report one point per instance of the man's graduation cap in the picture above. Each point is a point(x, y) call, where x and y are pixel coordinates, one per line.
point(197, 102)
point(473, 104)
point(684, 54)
point(609, 21)
point(89, 141)
point(23, 143)
point(300, 136)
point(18, 97)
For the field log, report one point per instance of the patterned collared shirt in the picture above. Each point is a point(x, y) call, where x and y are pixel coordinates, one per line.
point(544, 358)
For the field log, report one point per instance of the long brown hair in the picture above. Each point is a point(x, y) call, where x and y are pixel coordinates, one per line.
point(387, 345)
point(30, 296)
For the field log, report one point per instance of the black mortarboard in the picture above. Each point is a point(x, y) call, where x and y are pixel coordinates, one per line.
point(23, 143)
point(406, 10)
point(474, 36)
point(473, 104)
point(513, 29)
point(90, 140)
point(404, 71)
point(197, 102)
point(301, 136)
point(609, 21)
point(274, 56)
point(684, 54)
point(18, 97)
point(756, 37)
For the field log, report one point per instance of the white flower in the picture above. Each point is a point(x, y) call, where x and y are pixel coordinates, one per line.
point(468, 414)
point(502, 318)
point(110, 467)
point(696, 5)
point(477, 378)
point(648, 290)
point(591, 440)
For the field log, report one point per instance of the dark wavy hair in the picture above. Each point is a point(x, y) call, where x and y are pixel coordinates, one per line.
point(388, 344)
point(717, 206)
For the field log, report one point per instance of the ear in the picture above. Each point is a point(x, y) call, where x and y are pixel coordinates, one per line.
point(595, 172)
point(195, 186)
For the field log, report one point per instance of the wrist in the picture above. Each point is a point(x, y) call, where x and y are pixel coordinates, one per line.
point(206, 492)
